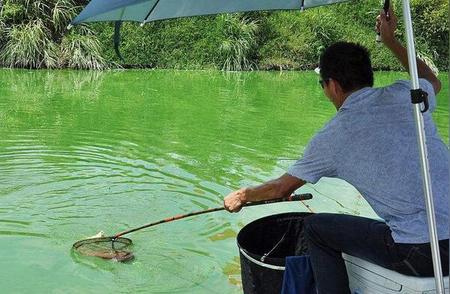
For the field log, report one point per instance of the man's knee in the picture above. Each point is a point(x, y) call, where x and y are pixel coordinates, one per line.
point(310, 225)
point(315, 221)
point(317, 226)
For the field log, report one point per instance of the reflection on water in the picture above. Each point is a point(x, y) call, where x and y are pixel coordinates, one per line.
point(86, 151)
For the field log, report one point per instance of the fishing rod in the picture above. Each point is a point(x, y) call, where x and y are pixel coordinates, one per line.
point(295, 197)
point(115, 247)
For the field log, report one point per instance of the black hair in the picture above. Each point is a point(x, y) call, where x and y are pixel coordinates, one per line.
point(347, 63)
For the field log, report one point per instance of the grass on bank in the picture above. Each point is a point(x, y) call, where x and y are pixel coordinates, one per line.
point(33, 35)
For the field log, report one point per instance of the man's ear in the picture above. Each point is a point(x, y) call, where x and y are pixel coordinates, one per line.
point(335, 88)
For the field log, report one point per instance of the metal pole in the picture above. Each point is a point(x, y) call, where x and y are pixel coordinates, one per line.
point(434, 242)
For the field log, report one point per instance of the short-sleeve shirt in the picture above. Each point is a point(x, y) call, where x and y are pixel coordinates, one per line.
point(372, 144)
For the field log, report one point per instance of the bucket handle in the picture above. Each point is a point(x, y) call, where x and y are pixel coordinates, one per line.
point(278, 243)
point(266, 265)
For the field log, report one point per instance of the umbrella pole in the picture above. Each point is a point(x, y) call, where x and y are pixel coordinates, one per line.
point(423, 152)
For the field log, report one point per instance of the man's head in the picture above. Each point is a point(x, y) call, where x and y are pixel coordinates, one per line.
point(348, 64)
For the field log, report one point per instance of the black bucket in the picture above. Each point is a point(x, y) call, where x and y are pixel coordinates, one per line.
point(264, 244)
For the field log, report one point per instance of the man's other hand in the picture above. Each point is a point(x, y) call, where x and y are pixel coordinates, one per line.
point(386, 25)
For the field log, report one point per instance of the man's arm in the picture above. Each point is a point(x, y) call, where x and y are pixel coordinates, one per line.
point(281, 187)
point(387, 32)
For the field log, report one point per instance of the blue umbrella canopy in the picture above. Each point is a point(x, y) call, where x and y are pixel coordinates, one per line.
point(150, 10)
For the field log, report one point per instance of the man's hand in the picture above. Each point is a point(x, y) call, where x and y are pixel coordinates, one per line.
point(234, 201)
point(386, 26)
point(281, 187)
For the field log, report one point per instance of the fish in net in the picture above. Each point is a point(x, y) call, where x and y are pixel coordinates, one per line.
point(105, 247)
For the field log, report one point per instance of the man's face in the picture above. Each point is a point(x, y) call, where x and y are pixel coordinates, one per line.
point(330, 88)
point(325, 84)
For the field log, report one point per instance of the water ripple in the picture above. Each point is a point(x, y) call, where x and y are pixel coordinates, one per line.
point(125, 148)
point(26, 234)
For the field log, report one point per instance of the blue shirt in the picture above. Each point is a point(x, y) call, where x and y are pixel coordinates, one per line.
point(372, 144)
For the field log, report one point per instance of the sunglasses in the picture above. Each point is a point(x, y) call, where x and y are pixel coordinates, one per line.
point(322, 82)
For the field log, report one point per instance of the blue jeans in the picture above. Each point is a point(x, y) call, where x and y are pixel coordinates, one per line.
point(328, 235)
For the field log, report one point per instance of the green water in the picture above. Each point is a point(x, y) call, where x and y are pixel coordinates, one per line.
point(82, 152)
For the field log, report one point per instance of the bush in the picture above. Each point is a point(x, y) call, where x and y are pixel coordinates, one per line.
point(32, 36)
point(432, 27)
point(276, 40)
point(238, 44)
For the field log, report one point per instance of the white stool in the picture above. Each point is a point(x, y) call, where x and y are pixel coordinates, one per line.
point(368, 278)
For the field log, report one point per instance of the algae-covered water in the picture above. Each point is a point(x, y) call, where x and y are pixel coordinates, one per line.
point(82, 152)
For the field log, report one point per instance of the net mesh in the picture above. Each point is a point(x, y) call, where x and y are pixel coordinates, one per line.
point(106, 248)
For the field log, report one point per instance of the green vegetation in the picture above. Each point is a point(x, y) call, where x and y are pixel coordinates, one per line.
point(246, 41)
point(33, 35)
point(238, 44)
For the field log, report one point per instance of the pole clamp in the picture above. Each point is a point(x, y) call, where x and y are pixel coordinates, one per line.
point(420, 96)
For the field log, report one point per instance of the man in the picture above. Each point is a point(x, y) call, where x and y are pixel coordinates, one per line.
point(371, 143)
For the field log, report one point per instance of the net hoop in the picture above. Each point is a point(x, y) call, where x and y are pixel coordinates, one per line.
point(116, 250)
point(122, 240)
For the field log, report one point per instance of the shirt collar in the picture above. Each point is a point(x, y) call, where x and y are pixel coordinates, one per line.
point(354, 97)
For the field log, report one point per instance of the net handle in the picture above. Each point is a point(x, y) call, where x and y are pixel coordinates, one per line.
point(295, 197)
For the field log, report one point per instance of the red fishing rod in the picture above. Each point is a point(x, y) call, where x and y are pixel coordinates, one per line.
point(295, 197)
point(115, 247)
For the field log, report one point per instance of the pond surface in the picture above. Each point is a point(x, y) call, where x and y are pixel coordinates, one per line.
point(82, 152)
